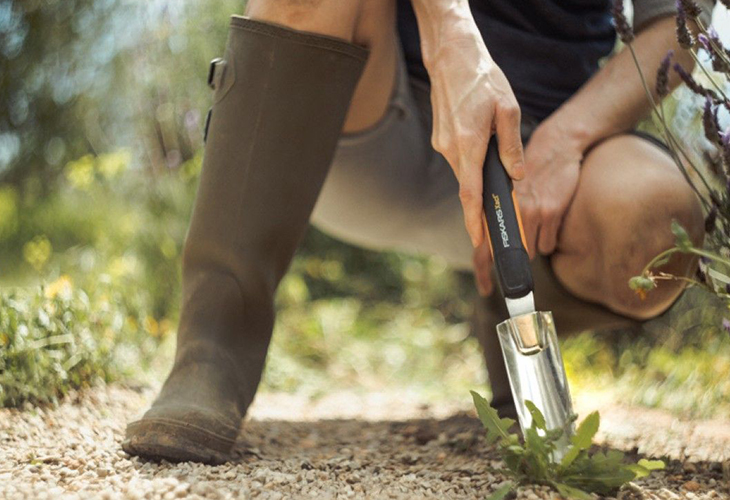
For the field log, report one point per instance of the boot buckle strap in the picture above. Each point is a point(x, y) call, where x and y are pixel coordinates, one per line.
point(207, 125)
point(215, 72)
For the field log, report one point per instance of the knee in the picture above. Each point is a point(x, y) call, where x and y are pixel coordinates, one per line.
point(638, 222)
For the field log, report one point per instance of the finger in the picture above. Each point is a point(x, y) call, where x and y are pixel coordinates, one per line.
point(470, 194)
point(483, 269)
point(530, 223)
point(510, 140)
point(548, 238)
point(531, 235)
point(472, 150)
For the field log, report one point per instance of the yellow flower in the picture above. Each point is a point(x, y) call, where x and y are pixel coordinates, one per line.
point(151, 325)
point(132, 323)
point(80, 173)
point(62, 286)
point(111, 164)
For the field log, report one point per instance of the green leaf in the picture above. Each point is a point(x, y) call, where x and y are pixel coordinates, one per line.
point(570, 492)
point(582, 439)
point(497, 428)
point(645, 467)
point(652, 464)
point(501, 492)
point(537, 457)
point(538, 420)
point(569, 457)
point(638, 471)
point(682, 239)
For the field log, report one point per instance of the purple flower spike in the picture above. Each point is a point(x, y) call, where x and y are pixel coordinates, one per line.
point(623, 28)
point(662, 75)
point(692, 83)
point(710, 123)
point(690, 8)
point(684, 37)
point(725, 151)
point(704, 41)
point(726, 324)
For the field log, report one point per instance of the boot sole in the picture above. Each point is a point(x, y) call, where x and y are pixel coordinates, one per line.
point(162, 439)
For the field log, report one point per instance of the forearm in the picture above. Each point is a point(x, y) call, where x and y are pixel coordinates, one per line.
point(615, 99)
point(442, 22)
point(470, 98)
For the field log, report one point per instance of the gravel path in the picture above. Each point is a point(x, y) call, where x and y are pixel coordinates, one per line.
point(342, 446)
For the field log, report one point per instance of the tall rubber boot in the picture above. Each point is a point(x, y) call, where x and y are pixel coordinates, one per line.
point(572, 315)
point(281, 97)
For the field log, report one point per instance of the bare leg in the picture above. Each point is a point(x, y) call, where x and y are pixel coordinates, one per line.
point(629, 192)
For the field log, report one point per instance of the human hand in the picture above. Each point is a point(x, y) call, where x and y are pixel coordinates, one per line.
point(471, 99)
point(552, 165)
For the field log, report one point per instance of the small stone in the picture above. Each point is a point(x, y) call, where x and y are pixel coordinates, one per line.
point(691, 486)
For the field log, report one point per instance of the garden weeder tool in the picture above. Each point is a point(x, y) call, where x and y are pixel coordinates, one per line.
point(528, 339)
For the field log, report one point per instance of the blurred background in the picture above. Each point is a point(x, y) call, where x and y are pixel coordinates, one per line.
point(102, 104)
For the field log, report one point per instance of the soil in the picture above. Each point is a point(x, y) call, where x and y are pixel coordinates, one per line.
point(345, 445)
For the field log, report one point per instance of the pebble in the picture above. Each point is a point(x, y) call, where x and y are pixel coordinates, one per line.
point(691, 486)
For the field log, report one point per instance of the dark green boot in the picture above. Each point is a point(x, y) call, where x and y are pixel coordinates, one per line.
point(281, 97)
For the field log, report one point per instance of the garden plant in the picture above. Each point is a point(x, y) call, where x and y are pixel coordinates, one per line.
point(711, 180)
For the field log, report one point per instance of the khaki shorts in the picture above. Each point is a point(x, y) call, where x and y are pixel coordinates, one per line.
point(389, 190)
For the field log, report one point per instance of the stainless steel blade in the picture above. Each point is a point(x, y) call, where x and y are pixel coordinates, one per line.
point(536, 372)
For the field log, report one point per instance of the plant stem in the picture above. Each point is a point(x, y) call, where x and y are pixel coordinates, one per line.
point(666, 276)
point(709, 255)
point(696, 251)
point(707, 74)
point(665, 253)
point(669, 137)
point(679, 148)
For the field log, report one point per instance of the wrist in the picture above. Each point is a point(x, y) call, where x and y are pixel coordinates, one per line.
point(578, 130)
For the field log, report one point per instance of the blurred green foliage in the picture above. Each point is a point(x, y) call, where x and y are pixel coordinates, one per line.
point(92, 76)
point(679, 361)
point(58, 338)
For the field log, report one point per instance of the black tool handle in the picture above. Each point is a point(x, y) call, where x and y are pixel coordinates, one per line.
point(505, 228)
